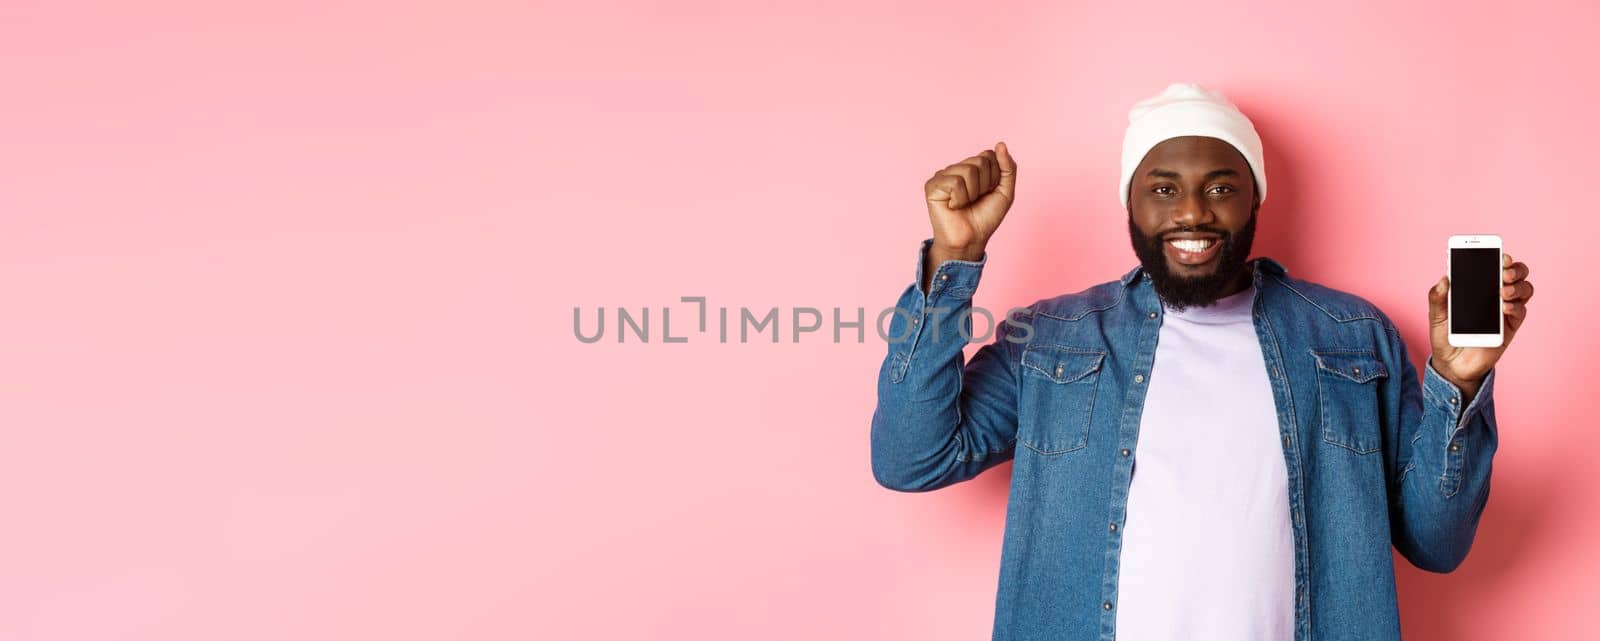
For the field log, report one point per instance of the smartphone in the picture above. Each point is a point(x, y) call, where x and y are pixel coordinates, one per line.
point(1476, 319)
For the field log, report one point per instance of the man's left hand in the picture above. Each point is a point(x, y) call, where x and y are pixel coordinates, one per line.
point(1466, 366)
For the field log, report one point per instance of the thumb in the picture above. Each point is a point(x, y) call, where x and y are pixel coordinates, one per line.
point(1008, 172)
point(1439, 314)
point(1438, 302)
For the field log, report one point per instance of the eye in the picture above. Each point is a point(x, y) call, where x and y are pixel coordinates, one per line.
point(1164, 190)
point(1222, 189)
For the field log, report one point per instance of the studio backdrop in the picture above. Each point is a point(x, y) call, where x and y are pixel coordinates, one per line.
point(303, 301)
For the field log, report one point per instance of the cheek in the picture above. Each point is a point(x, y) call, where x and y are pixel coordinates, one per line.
point(1144, 216)
point(1234, 213)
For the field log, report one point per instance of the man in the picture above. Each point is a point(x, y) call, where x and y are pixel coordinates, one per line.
point(1206, 448)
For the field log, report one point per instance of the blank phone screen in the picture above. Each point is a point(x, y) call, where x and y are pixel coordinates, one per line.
point(1474, 291)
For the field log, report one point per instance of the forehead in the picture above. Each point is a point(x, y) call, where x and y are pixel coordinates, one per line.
point(1198, 154)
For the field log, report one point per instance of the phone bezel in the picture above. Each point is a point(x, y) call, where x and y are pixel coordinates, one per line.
point(1474, 241)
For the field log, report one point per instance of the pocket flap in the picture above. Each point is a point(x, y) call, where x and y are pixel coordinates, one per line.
point(1062, 364)
point(1359, 365)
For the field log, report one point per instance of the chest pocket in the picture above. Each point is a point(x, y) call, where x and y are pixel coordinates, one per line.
point(1348, 383)
point(1057, 397)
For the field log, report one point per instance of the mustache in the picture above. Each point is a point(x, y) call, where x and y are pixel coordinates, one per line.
point(1204, 229)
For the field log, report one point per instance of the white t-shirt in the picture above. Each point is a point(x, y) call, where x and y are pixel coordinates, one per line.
point(1207, 549)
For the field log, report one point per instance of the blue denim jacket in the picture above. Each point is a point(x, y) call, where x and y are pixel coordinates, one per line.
point(1373, 458)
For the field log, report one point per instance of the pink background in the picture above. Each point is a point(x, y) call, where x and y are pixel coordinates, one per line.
point(286, 347)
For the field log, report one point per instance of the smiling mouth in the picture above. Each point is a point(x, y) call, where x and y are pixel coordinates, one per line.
point(1195, 245)
point(1192, 251)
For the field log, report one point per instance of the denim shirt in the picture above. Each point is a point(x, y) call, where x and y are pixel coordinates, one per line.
point(1373, 458)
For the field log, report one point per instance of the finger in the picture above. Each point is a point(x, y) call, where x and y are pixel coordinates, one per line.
point(968, 175)
point(992, 164)
point(1514, 273)
point(1519, 290)
point(960, 196)
point(1008, 171)
point(937, 189)
point(945, 190)
point(1505, 259)
point(981, 183)
point(1516, 314)
point(991, 170)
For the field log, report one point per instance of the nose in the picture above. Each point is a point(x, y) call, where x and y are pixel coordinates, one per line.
point(1192, 210)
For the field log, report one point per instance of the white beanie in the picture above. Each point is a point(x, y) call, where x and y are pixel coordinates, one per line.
point(1186, 109)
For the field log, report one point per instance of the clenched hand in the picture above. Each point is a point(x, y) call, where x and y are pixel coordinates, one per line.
point(966, 202)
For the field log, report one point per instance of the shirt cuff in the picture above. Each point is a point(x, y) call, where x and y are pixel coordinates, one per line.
point(956, 279)
point(1447, 397)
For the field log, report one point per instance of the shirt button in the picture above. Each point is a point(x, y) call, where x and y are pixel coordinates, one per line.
point(1106, 605)
point(1357, 371)
point(1125, 451)
point(1138, 378)
point(1152, 314)
point(1286, 441)
point(1452, 400)
point(1455, 447)
point(1058, 370)
point(915, 321)
point(1113, 527)
point(944, 277)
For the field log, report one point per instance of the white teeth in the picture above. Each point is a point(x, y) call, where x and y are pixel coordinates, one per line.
point(1192, 245)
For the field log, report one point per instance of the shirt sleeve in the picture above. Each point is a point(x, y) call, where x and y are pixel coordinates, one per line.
point(1439, 481)
point(939, 420)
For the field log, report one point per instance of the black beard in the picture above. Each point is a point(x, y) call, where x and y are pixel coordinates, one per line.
point(1183, 292)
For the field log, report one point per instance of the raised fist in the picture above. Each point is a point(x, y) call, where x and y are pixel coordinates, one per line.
point(967, 201)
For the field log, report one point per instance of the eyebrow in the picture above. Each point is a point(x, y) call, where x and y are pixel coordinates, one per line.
point(1210, 175)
